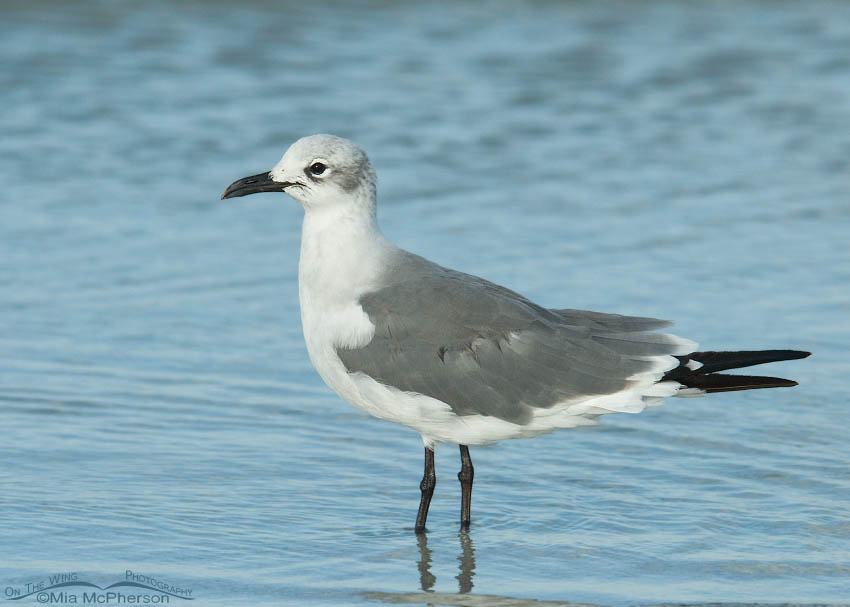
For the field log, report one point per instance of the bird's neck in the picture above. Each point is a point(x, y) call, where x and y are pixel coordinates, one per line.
point(341, 252)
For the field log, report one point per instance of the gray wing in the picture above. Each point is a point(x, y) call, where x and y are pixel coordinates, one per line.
point(484, 349)
point(611, 323)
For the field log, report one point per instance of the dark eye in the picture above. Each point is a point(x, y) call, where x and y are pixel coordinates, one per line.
point(317, 168)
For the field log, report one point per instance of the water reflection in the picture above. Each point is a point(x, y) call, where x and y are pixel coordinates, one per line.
point(466, 558)
point(467, 563)
point(463, 597)
point(426, 578)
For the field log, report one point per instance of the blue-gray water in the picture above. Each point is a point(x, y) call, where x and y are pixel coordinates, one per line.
point(158, 411)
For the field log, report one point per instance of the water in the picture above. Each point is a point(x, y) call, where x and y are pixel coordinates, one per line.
point(159, 413)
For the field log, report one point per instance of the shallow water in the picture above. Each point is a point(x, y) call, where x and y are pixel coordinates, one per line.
point(158, 410)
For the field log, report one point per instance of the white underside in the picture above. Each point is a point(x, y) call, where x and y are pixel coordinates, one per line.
point(436, 421)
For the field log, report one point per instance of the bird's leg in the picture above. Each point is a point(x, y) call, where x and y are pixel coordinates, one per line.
point(465, 476)
point(429, 481)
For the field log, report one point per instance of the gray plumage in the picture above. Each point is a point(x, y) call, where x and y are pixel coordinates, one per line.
point(484, 349)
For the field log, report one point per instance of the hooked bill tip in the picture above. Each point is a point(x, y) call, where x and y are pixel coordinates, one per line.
point(261, 182)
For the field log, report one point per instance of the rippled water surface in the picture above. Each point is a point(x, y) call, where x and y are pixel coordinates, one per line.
point(158, 410)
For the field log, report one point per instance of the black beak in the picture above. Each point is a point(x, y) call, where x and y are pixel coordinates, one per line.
point(253, 184)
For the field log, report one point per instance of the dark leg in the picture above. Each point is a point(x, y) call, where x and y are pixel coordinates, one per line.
point(465, 476)
point(429, 481)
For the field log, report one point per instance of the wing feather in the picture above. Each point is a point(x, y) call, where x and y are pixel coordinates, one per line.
point(486, 350)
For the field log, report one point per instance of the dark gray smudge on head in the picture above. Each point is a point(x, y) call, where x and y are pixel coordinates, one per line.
point(350, 164)
point(486, 350)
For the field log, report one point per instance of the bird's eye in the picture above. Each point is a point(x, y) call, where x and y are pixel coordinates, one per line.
point(317, 168)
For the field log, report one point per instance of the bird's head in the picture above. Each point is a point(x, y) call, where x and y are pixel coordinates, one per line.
point(318, 171)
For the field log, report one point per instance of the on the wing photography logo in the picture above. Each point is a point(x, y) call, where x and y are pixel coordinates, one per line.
point(75, 589)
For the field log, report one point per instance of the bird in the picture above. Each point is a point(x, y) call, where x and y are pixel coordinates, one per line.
point(455, 357)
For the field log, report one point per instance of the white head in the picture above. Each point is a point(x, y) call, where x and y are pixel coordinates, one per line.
point(320, 172)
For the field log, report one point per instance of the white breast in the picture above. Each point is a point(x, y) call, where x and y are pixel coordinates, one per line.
point(340, 260)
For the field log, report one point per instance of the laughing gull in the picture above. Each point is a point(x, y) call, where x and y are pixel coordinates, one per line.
point(453, 356)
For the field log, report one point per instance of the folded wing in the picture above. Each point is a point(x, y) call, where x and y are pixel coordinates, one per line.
point(486, 350)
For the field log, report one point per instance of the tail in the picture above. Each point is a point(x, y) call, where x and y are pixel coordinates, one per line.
point(698, 370)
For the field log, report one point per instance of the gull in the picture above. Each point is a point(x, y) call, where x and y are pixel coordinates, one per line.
point(453, 356)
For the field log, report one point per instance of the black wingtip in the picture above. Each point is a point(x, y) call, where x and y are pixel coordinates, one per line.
point(705, 377)
point(719, 382)
point(711, 362)
point(790, 354)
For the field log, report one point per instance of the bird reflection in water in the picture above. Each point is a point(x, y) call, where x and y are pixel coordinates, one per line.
point(426, 578)
point(464, 596)
point(467, 563)
point(466, 559)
